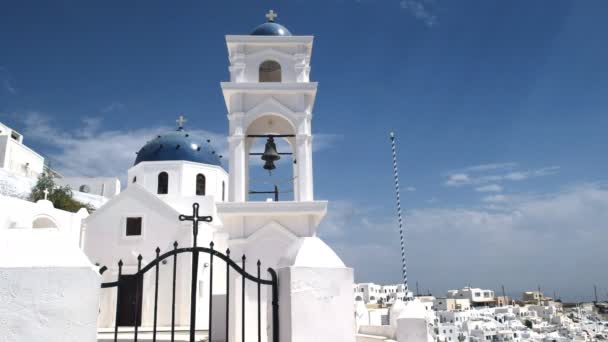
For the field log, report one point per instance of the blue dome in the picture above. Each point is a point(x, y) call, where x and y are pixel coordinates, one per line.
point(178, 145)
point(271, 29)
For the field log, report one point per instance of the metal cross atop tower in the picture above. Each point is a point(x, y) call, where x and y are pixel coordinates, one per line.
point(271, 15)
point(180, 121)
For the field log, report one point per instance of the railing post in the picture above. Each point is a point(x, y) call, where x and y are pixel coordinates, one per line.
point(193, 293)
point(210, 291)
point(117, 300)
point(243, 299)
point(156, 295)
point(259, 304)
point(173, 294)
point(227, 293)
point(195, 218)
point(275, 305)
point(137, 294)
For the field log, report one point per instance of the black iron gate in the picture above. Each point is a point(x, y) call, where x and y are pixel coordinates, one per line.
point(132, 284)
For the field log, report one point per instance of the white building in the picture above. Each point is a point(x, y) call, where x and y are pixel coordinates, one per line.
point(371, 293)
point(477, 296)
point(16, 157)
point(165, 182)
point(20, 167)
point(106, 187)
point(452, 304)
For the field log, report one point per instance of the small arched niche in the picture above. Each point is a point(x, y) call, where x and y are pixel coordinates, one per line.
point(270, 71)
point(43, 222)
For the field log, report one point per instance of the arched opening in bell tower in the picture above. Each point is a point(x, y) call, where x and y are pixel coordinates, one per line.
point(275, 133)
point(270, 71)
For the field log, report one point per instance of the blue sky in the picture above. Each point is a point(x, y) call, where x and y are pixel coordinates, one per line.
point(499, 109)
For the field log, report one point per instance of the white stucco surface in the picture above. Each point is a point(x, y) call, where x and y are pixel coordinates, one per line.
point(316, 304)
point(310, 252)
point(49, 291)
point(412, 324)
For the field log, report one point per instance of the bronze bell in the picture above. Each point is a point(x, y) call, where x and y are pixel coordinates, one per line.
point(270, 154)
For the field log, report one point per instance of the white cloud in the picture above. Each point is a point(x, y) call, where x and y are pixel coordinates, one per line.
point(6, 82)
point(495, 199)
point(476, 175)
point(114, 107)
point(490, 167)
point(548, 240)
point(410, 189)
point(420, 9)
point(489, 188)
point(90, 151)
point(323, 141)
point(458, 179)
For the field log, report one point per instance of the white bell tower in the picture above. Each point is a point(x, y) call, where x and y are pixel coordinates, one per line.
point(270, 93)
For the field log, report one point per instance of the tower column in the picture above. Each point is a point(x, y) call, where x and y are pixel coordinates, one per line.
point(304, 167)
point(238, 169)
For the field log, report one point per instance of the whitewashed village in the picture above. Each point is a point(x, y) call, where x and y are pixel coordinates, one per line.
point(181, 252)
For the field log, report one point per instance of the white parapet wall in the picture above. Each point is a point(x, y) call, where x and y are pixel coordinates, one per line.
point(315, 295)
point(49, 291)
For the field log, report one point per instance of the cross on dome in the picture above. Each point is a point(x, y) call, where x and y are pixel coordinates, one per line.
point(271, 15)
point(180, 121)
point(46, 193)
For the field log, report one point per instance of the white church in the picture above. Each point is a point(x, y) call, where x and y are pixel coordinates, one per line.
point(269, 96)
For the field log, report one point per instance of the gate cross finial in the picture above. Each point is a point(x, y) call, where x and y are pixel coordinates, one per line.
point(195, 218)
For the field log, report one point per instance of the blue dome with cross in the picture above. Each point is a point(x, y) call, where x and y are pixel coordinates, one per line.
point(270, 28)
point(179, 145)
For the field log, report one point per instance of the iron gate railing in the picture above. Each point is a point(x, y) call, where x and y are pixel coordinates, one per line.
point(194, 251)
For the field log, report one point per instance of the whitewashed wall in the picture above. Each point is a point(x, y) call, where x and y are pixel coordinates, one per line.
point(107, 187)
point(21, 214)
point(182, 178)
point(49, 291)
point(18, 158)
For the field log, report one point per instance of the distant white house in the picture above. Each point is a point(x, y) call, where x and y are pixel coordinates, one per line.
point(371, 293)
point(452, 304)
point(477, 296)
point(107, 187)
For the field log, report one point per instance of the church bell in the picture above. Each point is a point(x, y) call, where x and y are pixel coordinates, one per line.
point(270, 154)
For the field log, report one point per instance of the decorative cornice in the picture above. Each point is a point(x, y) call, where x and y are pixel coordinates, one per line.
point(287, 208)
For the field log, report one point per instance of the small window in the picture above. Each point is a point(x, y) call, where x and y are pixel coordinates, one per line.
point(223, 191)
point(270, 71)
point(200, 184)
point(133, 226)
point(84, 188)
point(135, 179)
point(163, 183)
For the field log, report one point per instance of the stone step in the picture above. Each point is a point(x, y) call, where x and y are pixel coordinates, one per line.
point(145, 335)
point(372, 338)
